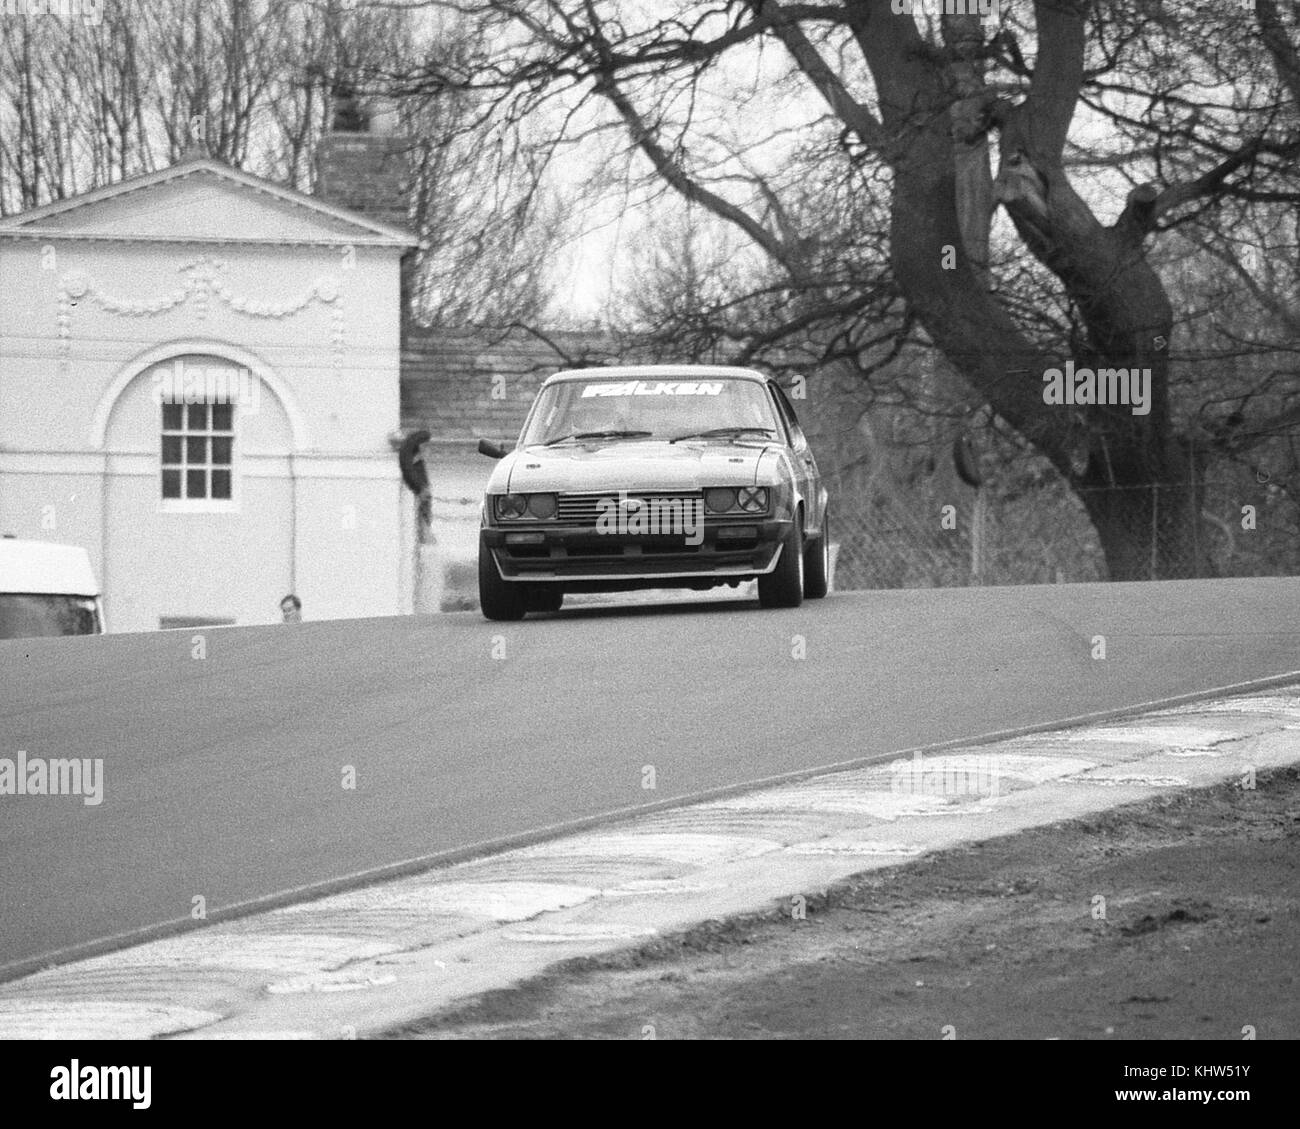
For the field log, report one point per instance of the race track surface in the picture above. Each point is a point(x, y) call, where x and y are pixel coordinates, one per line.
point(224, 774)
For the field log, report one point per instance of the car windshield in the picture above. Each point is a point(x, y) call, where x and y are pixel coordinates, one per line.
point(27, 616)
point(641, 409)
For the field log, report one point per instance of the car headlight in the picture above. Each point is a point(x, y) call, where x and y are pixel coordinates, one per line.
point(542, 506)
point(730, 500)
point(719, 499)
point(511, 506)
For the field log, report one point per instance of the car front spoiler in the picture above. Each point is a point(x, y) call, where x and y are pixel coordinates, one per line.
point(581, 554)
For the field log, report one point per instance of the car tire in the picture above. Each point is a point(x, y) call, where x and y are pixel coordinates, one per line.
point(497, 598)
point(783, 586)
point(545, 598)
point(817, 562)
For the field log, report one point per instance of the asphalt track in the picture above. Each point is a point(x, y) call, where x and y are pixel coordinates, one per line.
point(224, 775)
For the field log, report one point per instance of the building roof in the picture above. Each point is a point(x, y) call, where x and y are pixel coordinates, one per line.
point(107, 212)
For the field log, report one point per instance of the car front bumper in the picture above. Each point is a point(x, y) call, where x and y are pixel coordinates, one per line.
point(583, 555)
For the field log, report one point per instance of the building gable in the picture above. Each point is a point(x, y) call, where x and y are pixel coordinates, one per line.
point(202, 201)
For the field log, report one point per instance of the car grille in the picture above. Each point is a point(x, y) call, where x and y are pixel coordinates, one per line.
point(584, 509)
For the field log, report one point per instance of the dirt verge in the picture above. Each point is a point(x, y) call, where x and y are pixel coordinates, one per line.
point(1174, 918)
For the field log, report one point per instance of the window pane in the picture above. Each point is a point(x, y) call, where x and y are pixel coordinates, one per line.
point(221, 451)
point(198, 418)
point(171, 484)
point(196, 484)
point(23, 616)
point(196, 450)
point(221, 484)
point(171, 449)
point(173, 416)
point(222, 417)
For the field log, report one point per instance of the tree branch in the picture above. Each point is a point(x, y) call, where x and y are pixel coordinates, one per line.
point(824, 80)
point(645, 139)
point(1058, 78)
point(1251, 435)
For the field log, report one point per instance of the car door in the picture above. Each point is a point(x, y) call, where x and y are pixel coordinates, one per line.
point(805, 466)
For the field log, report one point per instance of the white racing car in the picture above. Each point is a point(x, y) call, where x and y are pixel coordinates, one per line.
point(653, 477)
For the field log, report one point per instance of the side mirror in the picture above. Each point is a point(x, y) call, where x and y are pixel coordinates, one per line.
point(492, 450)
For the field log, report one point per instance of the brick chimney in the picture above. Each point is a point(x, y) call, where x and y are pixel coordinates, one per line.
point(361, 162)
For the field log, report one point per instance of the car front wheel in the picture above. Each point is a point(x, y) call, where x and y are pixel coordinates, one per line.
point(498, 599)
point(817, 562)
point(783, 586)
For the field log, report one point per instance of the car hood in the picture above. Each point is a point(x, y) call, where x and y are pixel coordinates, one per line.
point(630, 464)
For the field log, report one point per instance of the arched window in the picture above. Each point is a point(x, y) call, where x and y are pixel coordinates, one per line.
point(199, 398)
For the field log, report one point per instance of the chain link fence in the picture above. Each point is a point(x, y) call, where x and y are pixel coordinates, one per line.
point(894, 538)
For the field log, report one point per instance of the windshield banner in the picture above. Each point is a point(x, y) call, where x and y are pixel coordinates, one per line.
point(655, 388)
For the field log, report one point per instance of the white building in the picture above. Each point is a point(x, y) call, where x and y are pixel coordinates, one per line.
point(277, 315)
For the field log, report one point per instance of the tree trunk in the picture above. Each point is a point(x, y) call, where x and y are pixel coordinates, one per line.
point(1148, 530)
point(1139, 486)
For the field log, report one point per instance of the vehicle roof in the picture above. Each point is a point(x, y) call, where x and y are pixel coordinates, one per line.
point(657, 372)
point(44, 568)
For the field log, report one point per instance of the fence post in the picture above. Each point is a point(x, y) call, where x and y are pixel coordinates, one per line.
point(1155, 510)
point(1194, 504)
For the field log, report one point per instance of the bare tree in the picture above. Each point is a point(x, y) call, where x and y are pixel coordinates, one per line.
point(252, 82)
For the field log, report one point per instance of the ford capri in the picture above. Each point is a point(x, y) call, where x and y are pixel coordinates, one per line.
point(653, 476)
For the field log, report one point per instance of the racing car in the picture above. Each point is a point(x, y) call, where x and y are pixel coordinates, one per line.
point(653, 476)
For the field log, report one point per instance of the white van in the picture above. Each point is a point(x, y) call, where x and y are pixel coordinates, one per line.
point(47, 589)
